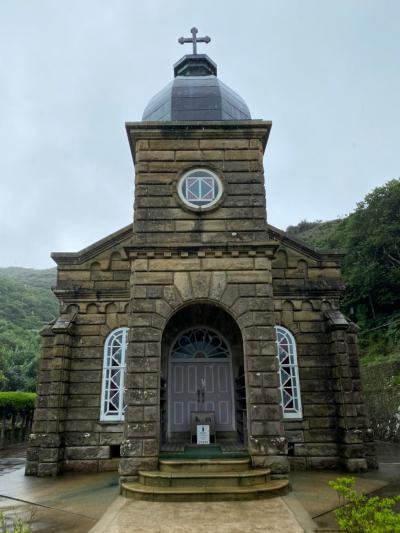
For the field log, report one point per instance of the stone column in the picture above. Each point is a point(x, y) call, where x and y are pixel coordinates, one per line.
point(267, 442)
point(46, 446)
point(353, 352)
point(351, 421)
point(140, 445)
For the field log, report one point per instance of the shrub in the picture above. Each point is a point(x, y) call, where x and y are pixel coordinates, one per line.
point(360, 514)
point(10, 525)
point(16, 402)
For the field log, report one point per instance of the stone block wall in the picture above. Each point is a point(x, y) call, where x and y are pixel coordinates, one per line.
point(162, 155)
point(333, 431)
point(88, 440)
point(314, 437)
point(304, 288)
point(67, 434)
point(166, 281)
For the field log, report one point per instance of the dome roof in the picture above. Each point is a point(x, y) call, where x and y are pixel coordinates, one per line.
point(196, 94)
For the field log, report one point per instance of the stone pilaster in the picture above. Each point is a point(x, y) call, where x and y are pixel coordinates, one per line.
point(46, 447)
point(351, 420)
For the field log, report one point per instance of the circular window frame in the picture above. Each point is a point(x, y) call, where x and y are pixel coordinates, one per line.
point(206, 207)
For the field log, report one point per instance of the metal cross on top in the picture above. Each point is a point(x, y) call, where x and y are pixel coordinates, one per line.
point(194, 39)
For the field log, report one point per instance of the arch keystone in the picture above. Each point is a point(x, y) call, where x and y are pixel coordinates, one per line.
point(217, 285)
point(182, 283)
point(200, 283)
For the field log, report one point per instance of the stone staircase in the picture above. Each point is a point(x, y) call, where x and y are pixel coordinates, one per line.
point(205, 480)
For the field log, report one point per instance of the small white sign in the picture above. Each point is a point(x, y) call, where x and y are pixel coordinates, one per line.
point(203, 434)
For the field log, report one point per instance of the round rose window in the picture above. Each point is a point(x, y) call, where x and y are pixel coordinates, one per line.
point(200, 188)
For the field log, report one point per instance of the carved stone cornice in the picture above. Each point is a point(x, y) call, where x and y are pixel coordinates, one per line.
point(73, 295)
point(310, 289)
point(253, 249)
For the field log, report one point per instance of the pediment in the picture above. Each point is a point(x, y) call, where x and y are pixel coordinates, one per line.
point(118, 239)
point(301, 248)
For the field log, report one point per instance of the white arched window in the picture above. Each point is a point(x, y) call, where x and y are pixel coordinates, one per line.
point(288, 373)
point(112, 394)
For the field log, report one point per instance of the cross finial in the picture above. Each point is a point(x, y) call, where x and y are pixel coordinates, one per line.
point(194, 39)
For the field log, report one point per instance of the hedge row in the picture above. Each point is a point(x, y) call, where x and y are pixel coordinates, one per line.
point(16, 402)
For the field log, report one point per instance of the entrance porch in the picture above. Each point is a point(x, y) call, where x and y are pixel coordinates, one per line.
point(203, 383)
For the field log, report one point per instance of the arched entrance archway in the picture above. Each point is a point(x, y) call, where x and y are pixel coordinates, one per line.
point(202, 370)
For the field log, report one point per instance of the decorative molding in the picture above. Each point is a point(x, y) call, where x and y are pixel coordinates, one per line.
point(74, 295)
point(308, 292)
point(261, 249)
point(279, 237)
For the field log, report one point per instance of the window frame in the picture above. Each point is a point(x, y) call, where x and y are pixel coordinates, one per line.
point(191, 205)
point(192, 330)
point(297, 413)
point(119, 415)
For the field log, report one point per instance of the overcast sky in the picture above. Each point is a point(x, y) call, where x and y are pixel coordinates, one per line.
point(72, 72)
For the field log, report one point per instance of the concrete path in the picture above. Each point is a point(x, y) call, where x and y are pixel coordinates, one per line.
point(267, 516)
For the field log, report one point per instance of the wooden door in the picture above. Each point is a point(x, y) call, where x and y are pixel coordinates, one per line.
point(201, 386)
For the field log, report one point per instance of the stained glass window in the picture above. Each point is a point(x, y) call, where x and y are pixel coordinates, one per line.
point(200, 343)
point(200, 188)
point(112, 398)
point(288, 373)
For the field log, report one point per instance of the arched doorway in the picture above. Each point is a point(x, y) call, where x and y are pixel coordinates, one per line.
point(201, 379)
point(202, 370)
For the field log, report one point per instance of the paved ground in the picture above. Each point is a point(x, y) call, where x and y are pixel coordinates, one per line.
point(69, 503)
point(77, 503)
point(311, 489)
point(272, 516)
point(12, 458)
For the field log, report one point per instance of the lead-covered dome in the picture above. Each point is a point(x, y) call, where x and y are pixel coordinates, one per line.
point(196, 94)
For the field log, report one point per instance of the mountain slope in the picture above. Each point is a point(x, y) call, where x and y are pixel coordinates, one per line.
point(27, 303)
point(43, 278)
point(321, 235)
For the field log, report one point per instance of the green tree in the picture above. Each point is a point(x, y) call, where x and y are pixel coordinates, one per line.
point(371, 238)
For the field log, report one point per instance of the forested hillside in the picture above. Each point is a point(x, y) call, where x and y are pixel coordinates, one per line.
point(27, 303)
point(370, 237)
point(42, 279)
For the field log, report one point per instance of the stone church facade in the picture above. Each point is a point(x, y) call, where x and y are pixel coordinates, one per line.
point(201, 305)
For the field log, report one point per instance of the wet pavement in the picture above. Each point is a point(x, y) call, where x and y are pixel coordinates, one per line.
point(80, 503)
point(68, 503)
point(12, 458)
point(311, 489)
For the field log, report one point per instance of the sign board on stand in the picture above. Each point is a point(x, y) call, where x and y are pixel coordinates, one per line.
point(203, 434)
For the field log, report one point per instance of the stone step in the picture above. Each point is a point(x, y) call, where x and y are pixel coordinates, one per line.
point(276, 487)
point(204, 465)
point(183, 478)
